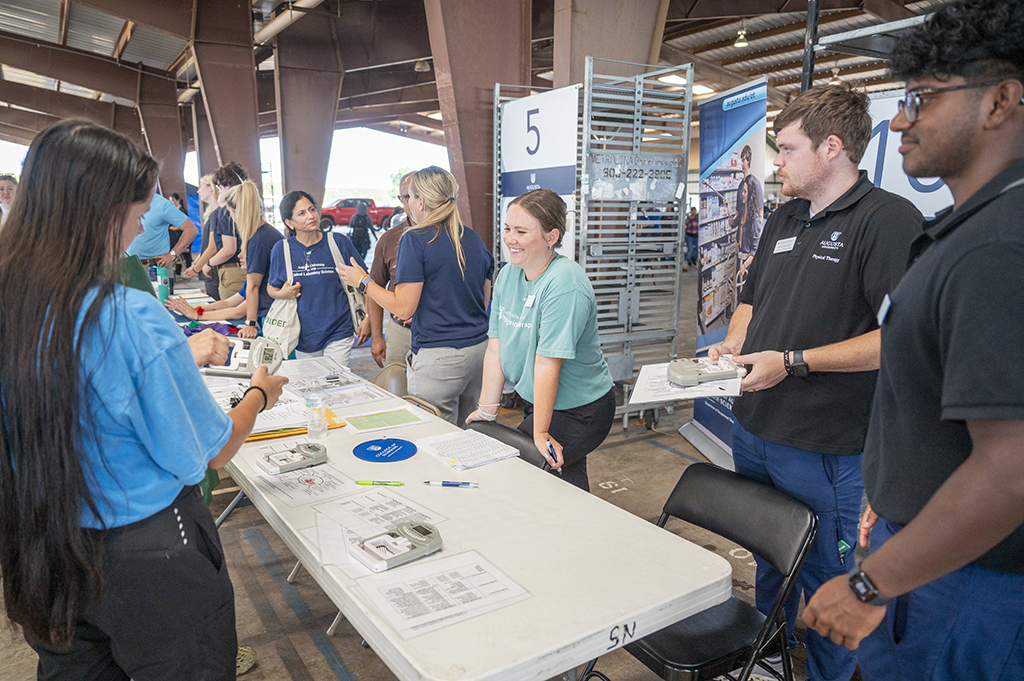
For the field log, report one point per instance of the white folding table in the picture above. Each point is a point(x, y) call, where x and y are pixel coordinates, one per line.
point(598, 576)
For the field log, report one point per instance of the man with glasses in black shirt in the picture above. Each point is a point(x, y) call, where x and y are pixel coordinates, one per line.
point(806, 325)
point(941, 597)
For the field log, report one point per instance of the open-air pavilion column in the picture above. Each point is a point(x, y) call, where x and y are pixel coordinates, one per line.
point(307, 81)
point(624, 30)
point(158, 109)
point(202, 139)
point(227, 79)
point(472, 51)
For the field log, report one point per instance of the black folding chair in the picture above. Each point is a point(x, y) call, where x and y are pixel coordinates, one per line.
point(761, 519)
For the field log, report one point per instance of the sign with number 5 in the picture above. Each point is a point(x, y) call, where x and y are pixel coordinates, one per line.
point(538, 142)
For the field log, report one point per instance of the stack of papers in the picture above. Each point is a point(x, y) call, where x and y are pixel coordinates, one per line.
point(467, 449)
point(303, 373)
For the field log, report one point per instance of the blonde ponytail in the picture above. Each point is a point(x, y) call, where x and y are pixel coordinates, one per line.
point(440, 192)
point(244, 199)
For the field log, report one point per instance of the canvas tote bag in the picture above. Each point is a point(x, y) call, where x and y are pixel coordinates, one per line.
point(356, 301)
point(282, 321)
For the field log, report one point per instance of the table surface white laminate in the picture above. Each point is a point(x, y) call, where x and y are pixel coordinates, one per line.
point(598, 576)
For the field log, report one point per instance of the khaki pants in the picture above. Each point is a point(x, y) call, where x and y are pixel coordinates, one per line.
point(231, 279)
point(448, 378)
point(398, 340)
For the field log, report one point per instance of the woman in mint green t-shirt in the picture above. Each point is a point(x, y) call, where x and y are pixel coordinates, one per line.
point(543, 338)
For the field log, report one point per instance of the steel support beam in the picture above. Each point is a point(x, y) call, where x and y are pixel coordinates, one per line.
point(704, 69)
point(307, 81)
point(469, 58)
point(9, 133)
point(64, 105)
point(202, 139)
point(408, 134)
point(623, 30)
point(810, 37)
point(77, 67)
point(158, 109)
point(29, 121)
point(227, 77)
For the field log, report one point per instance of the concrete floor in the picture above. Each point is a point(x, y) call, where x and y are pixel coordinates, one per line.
point(634, 469)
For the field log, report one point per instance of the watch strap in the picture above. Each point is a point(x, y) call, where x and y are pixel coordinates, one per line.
point(864, 589)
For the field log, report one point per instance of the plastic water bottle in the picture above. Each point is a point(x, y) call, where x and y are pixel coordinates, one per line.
point(316, 410)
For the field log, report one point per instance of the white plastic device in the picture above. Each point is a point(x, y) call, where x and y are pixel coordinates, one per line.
point(248, 355)
point(408, 541)
point(303, 455)
point(689, 371)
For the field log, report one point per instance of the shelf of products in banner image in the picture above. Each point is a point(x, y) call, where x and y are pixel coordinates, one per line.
point(716, 252)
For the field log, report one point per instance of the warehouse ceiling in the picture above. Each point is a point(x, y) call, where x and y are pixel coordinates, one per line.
point(386, 50)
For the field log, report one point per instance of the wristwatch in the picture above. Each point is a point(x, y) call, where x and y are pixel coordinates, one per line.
point(864, 589)
point(363, 283)
point(795, 364)
point(252, 323)
point(173, 254)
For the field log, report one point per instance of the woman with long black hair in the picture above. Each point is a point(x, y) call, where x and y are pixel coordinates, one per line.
point(109, 558)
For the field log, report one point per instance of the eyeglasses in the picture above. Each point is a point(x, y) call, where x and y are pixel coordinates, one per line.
point(402, 197)
point(910, 105)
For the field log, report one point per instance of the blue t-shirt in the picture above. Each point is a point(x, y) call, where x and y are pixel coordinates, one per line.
point(452, 312)
point(154, 239)
point(257, 261)
point(223, 226)
point(149, 424)
point(324, 315)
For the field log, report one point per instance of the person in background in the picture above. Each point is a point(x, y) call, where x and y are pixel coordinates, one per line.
point(393, 348)
point(361, 225)
point(692, 225)
point(941, 596)
point(325, 318)
point(8, 188)
point(153, 245)
point(543, 337)
point(110, 560)
point(258, 239)
point(440, 257)
point(225, 246)
point(217, 311)
point(806, 323)
point(176, 234)
point(209, 197)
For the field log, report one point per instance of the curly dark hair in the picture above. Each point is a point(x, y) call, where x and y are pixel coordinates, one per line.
point(230, 174)
point(973, 39)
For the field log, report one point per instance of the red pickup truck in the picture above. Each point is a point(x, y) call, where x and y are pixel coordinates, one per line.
point(341, 212)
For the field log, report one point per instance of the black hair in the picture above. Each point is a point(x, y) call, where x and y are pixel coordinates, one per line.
point(974, 39)
point(287, 206)
point(78, 185)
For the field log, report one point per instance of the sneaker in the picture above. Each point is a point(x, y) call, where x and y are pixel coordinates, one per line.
point(245, 659)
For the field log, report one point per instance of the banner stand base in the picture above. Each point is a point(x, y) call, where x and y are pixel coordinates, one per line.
point(706, 446)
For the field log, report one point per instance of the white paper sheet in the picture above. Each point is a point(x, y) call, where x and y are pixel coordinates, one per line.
point(385, 419)
point(652, 385)
point(353, 397)
point(333, 541)
point(296, 488)
point(375, 511)
point(302, 373)
point(467, 449)
point(419, 597)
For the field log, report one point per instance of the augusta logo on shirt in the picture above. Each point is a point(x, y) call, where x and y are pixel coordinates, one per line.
point(833, 244)
point(511, 320)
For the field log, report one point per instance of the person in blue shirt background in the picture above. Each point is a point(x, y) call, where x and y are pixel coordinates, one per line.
point(155, 241)
point(325, 319)
point(110, 560)
point(258, 239)
point(438, 256)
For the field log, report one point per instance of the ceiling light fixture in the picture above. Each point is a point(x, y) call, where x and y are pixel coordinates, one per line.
point(835, 77)
point(421, 66)
point(741, 35)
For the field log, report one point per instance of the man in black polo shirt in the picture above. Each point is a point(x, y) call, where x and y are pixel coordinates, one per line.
point(944, 458)
point(806, 324)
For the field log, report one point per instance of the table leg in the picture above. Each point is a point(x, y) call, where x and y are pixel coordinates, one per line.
point(227, 511)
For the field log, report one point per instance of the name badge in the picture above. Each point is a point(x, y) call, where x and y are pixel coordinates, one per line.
point(529, 300)
point(883, 309)
point(784, 245)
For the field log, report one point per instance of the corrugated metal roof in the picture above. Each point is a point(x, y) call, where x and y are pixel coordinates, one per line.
point(27, 78)
point(153, 48)
point(93, 30)
point(39, 19)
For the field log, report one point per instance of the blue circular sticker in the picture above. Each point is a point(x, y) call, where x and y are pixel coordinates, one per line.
point(385, 450)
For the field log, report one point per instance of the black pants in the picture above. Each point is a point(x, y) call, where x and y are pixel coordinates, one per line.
point(166, 610)
point(580, 431)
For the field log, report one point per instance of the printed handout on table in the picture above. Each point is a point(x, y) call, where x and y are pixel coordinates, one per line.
point(421, 597)
point(333, 540)
point(375, 511)
point(381, 420)
point(652, 386)
point(467, 449)
point(302, 373)
point(303, 486)
point(353, 397)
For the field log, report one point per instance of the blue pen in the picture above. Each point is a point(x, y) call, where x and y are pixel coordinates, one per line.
point(551, 451)
point(449, 483)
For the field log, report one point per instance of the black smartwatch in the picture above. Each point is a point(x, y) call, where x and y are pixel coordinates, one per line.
point(795, 364)
point(363, 283)
point(252, 323)
point(864, 589)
